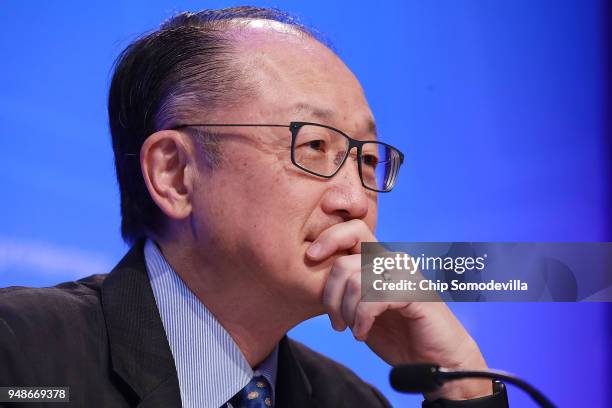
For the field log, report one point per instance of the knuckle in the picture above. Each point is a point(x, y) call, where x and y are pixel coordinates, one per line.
point(353, 285)
point(341, 264)
point(359, 226)
point(356, 222)
point(337, 272)
point(343, 267)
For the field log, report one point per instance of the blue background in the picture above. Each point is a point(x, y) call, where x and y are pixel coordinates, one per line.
point(500, 108)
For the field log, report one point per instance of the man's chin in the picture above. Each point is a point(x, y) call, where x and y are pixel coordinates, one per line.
point(311, 292)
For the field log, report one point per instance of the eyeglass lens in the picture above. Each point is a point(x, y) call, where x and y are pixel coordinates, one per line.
point(322, 151)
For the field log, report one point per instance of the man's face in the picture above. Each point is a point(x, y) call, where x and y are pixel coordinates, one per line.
point(256, 215)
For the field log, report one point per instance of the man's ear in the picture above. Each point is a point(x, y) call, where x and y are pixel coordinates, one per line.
point(166, 161)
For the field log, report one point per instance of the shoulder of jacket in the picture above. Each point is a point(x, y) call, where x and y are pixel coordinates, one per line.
point(26, 307)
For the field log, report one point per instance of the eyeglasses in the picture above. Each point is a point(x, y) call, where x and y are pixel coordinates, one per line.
point(322, 150)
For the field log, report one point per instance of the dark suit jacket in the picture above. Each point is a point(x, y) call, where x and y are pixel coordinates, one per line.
point(103, 337)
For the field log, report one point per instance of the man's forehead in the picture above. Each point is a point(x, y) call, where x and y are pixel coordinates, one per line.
point(276, 53)
point(304, 110)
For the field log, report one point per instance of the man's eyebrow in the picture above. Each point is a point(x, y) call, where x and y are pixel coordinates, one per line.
point(303, 108)
point(371, 125)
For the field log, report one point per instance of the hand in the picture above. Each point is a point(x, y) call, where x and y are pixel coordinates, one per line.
point(398, 332)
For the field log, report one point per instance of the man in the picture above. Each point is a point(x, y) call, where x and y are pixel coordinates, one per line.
point(249, 169)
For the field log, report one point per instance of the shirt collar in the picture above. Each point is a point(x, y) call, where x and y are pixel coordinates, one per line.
point(209, 364)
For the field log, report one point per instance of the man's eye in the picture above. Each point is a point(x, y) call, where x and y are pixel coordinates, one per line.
point(370, 160)
point(318, 145)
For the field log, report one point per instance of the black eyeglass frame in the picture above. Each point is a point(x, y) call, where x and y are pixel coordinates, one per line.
point(294, 127)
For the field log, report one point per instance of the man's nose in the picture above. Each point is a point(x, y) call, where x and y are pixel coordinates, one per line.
point(346, 196)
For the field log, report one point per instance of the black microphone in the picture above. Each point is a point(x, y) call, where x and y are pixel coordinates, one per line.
point(424, 378)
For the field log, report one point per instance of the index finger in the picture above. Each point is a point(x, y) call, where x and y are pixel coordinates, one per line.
point(346, 236)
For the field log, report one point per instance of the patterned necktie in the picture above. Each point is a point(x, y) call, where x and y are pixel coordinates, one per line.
point(256, 394)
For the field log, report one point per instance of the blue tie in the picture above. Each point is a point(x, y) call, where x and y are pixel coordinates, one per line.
point(256, 394)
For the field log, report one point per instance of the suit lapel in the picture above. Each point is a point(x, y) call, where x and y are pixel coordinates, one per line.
point(139, 348)
point(140, 352)
point(292, 386)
